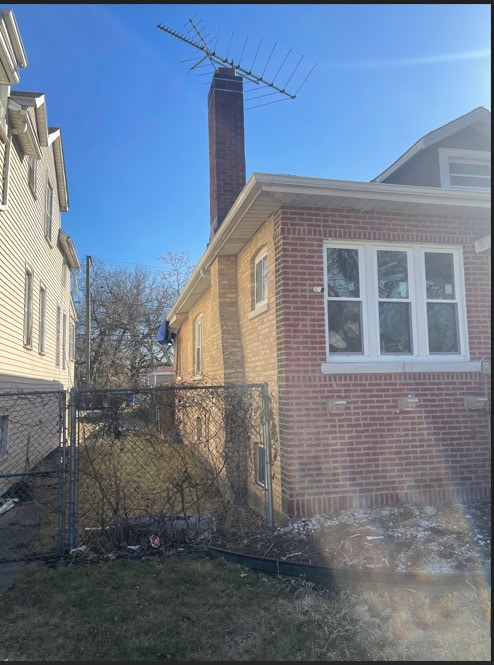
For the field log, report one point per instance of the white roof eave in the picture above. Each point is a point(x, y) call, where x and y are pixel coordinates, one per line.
point(265, 193)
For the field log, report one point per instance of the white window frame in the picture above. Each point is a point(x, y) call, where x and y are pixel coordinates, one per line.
point(32, 173)
point(198, 345)
point(72, 340)
point(48, 211)
point(260, 279)
point(28, 308)
point(64, 341)
point(371, 360)
point(42, 319)
point(447, 155)
point(57, 335)
point(261, 261)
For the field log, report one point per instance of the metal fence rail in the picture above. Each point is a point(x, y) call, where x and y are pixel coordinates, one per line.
point(32, 475)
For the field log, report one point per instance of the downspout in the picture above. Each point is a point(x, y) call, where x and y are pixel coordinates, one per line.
point(6, 159)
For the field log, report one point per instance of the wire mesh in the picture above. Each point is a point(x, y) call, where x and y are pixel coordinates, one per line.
point(165, 462)
point(32, 475)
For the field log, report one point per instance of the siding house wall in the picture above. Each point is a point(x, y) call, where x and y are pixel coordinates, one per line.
point(23, 243)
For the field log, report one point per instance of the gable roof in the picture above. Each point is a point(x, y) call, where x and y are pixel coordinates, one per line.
point(479, 116)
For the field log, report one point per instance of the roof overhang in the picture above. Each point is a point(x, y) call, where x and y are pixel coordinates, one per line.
point(68, 250)
point(36, 101)
point(265, 193)
point(21, 122)
point(55, 140)
point(12, 54)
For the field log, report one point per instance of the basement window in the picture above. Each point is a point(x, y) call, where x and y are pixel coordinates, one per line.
point(261, 465)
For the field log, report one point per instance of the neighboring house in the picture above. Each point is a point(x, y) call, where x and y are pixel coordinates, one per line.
point(365, 306)
point(38, 261)
point(161, 376)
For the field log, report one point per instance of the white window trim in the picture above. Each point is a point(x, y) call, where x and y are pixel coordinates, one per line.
point(64, 341)
point(58, 326)
point(42, 319)
point(28, 307)
point(261, 305)
point(72, 340)
point(49, 211)
point(198, 346)
point(370, 361)
point(32, 174)
point(471, 156)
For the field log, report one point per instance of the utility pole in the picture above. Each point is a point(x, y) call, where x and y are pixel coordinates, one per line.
point(88, 322)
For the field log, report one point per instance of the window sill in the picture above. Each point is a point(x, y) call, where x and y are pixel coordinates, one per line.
point(260, 309)
point(399, 367)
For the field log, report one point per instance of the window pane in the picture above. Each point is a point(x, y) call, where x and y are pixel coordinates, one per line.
point(261, 279)
point(442, 325)
point(470, 181)
point(439, 275)
point(392, 273)
point(343, 273)
point(469, 168)
point(345, 330)
point(394, 327)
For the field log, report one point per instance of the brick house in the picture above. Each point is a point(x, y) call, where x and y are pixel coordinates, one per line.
point(365, 306)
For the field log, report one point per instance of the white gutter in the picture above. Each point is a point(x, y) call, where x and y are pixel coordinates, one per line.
point(328, 193)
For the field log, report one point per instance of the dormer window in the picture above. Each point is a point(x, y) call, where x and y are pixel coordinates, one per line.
point(464, 169)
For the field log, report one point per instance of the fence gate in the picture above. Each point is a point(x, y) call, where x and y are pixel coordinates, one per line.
point(159, 458)
point(33, 488)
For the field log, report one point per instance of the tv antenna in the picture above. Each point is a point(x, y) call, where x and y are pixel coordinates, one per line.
point(208, 57)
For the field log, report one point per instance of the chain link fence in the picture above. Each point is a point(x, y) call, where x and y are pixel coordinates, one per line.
point(165, 462)
point(32, 475)
point(107, 469)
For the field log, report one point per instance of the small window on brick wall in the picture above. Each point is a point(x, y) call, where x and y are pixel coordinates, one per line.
point(198, 345)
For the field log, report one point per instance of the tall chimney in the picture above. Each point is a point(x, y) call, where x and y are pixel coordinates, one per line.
point(226, 144)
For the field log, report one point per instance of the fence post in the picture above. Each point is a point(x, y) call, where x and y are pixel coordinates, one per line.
point(62, 468)
point(267, 445)
point(73, 470)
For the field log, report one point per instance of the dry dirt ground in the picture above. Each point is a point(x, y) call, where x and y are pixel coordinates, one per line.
point(453, 538)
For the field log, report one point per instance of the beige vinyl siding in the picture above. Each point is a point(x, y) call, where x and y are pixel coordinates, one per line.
point(22, 242)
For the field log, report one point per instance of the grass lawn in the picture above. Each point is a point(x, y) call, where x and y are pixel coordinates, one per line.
point(192, 609)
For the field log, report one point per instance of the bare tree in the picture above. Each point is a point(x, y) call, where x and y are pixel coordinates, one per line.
point(127, 308)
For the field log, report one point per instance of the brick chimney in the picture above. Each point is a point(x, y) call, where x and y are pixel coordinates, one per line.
point(226, 144)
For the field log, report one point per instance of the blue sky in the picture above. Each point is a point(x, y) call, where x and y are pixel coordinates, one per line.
point(133, 113)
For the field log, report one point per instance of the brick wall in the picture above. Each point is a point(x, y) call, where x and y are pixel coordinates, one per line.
point(370, 453)
point(226, 143)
